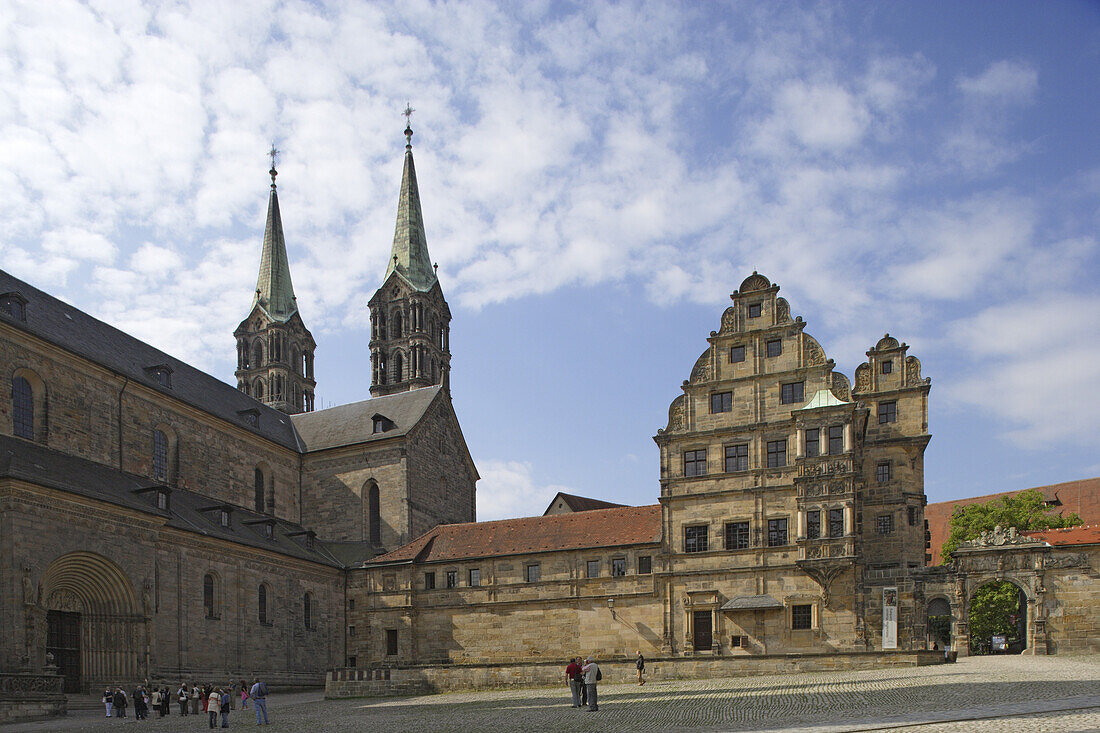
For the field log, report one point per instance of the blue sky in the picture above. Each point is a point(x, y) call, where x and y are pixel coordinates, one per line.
point(596, 179)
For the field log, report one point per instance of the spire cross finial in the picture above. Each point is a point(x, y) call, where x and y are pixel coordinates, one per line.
point(408, 125)
point(274, 155)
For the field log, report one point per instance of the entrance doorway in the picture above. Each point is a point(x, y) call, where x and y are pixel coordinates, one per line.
point(701, 626)
point(939, 623)
point(63, 641)
point(998, 619)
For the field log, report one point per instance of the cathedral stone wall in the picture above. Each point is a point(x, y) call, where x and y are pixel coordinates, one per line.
point(442, 479)
point(335, 484)
point(1073, 607)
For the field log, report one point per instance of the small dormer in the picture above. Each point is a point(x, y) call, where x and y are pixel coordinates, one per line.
point(250, 417)
point(265, 527)
point(308, 535)
point(14, 305)
point(159, 494)
point(220, 514)
point(161, 374)
point(382, 424)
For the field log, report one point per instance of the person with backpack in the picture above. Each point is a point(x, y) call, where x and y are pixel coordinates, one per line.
point(592, 676)
point(227, 705)
point(258, 693)
point(640, 664)
point(573, 679)
point(181, 695)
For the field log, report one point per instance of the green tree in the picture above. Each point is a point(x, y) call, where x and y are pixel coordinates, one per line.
point(991, 612)
point(1024, 511)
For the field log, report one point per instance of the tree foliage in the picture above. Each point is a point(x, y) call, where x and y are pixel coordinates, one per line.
point(1024, 511)
point(991, 612)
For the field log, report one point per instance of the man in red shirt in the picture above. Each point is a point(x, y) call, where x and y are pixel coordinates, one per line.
point(573, 679)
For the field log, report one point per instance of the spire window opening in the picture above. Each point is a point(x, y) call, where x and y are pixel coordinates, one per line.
point(257, 354)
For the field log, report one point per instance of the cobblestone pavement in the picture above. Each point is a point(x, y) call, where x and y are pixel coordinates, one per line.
point(978, 695)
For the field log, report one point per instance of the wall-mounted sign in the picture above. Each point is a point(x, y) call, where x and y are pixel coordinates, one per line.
point(890, 618)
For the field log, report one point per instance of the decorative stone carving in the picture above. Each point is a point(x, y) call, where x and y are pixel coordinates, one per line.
point(147, 598)
point(754, 282)
point(814, 355)
point(912, 371)
point(676, 414)
point(1066, 561)
point(782, 311)
point(1000, 537)
point(863, 378)
point(701, 371)
point(886, 342)
point(841, 387)
point(729, 320)
point(63, 600)
point(30, 596)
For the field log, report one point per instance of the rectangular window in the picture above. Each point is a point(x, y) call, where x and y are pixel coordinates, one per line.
point(813, 442)
point(755, 309)
point(777, 453)
point(618, 567)
point(836, 440)
point(737, 354)
point(791, 393)
point(737, 535)
point(645, 565)
point(777, 532)
point(391, 642)
point(452, 578)
point(721, 402)
point(887, 412)
point(351, 662)
point(775, 347)
point(884, 524)
point(737, 457)
point(351, 630)
point(695, 462)
point(836, 522)
point(389, 582)
point(802, 617)
point(735, 642)
point(883, 474)
point(912, 516)
point(695, 539)
point(592, 570)
point(813, 525)
point(533, 573)
point(475, 578)
point(429, 581)
point(887, 366)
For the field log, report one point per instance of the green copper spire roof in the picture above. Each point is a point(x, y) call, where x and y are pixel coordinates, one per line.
point(410, 247)
point(274, 291)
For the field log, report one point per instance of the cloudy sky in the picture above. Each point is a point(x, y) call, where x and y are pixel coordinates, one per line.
point(596, 179)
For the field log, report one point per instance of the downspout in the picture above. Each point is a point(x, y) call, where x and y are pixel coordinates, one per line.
point(125, 384)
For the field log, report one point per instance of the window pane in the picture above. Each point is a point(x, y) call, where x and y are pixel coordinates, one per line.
point(737, 535)
point(792, 393)
point(208, 595)
point(777, 453)
point(836, 440)
point(160, 456)
point(737, 354)
point(887, 366)
point(882, 473)
point(721, 402)
point(695, 462)
point(593, 569)
point(813, 525)
point(775, 347)
point(885, 524)
point(777, 532)
point(532, 573)
point(754, 310)
point(262, 604)
point(737, 457)
point(813, 442)
point(429, 581)
point(475, 578)
point(452, 578)
point(801, 617)
point(618, 567)
point(22, 397)
point(391, 642)
point(836, 522)
point(695, 539)
point(887, 412)
point(645, 565)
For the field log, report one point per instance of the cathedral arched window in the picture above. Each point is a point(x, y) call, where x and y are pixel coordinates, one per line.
point(259, 485)
point(22, 397)
point(160, 456)
point(397, 325)
point(382, 326)
point(209, 596)
point(295, 361)
point(374, 514)
point(381, 368)
point(258, 389)
point(398, 367)
point(257, 354)
point(261, 604)
point(307, 610)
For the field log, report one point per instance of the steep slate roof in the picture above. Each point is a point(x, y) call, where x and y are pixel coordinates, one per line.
point(580, 503)
point(353, 424)
point(73, 330)
point(42, 466)
point(1081, 496)
point(274, 290)
point(1083, 535)
point(634, 525)
point(409, 257)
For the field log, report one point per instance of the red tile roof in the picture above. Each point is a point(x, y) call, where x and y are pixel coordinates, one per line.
point(1081, 496)
point(632, 525)
point(1088, 534)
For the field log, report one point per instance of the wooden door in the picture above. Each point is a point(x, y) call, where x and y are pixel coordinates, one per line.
point(63, 640)
point(701, 624)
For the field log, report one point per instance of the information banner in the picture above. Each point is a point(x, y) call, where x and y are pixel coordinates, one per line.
point(890, 618)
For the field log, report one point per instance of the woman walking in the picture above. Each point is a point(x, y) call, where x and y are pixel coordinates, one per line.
point(214, 706)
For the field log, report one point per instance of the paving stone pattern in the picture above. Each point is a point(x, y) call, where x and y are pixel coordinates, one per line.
point(979, 695)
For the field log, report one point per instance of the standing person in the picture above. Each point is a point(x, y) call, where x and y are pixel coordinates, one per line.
point(141, 706)
point(244, 695)
point(195, 695)
point(214, 706)
point(165, 701)
point(592, 675)
point(227, 703)
point(572, 670)
point(154, 700)
point(181, 695)
point(108, 700)
point(640, 664)
point(231, 690)
point(206, 698)
point(120, 703)
point(258, 693)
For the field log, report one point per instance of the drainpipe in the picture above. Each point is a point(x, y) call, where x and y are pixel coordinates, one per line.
point(125, 384)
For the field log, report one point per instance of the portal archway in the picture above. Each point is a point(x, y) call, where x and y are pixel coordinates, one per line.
point(96, 628)
point(998, 608)
point(940, 620)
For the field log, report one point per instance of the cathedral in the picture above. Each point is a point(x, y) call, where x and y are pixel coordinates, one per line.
point(161, 525)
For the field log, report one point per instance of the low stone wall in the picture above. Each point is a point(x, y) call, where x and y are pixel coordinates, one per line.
point(30, 695)
point(427, 678)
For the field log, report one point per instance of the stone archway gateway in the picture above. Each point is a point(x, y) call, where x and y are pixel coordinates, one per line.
point(998, 608)
point(939, 624)
point(96, 630)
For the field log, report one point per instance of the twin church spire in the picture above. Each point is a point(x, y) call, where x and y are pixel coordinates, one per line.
point(410, 319)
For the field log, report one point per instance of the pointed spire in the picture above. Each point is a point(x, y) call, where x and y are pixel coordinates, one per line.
point(409, 256)
point(274, 291)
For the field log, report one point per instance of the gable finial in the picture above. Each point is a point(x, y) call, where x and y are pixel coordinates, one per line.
point(274, 155)
point(408, 125)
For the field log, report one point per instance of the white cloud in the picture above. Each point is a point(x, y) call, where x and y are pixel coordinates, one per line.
point(510, 489)
point(1002, 81)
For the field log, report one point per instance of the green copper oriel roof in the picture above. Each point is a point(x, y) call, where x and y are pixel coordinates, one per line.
point(274, 291)
point(409, 256)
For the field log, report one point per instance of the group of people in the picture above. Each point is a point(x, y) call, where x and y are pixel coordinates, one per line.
point(583, 676)
point(214, 701)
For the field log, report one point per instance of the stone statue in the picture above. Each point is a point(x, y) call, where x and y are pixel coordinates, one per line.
point(30, 597)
